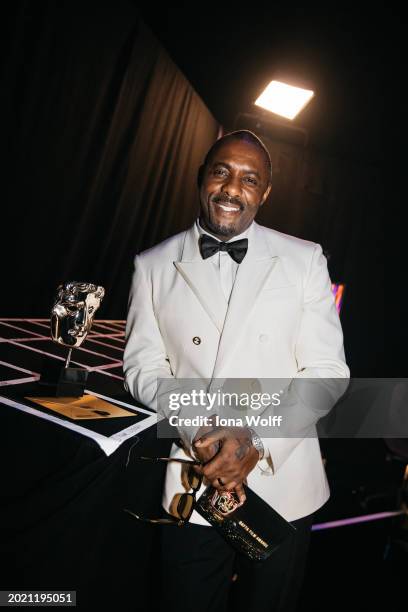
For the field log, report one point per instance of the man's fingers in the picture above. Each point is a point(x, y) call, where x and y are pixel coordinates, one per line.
point(206, 454)
point(213, 468)
point(209, 438)
point(217, 485)
point(223, 484)
point(239, 490)
point(230, 485)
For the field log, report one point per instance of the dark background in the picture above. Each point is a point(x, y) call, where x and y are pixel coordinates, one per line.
point(105, 121)
point(107, 111)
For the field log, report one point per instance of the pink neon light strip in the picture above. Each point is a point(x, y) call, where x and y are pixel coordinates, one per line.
point(119, 336)
point(357, 519)
point(14, 367)
point(112, 321)
point(18, 381)
point(102, 369)
point(109, 321)
point(338, 291)
point(82, 365)
point(47, 338)
point(37, 322)
point(36, 350)
point(111, 359)
point(116, 348)
point(107, 373)
point(106, 366)
point(79, 348)
point(46, 324)
point(27, 331)
point(36, 339)
point(111, 329)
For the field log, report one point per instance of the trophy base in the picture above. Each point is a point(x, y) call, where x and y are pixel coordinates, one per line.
point(63, 382)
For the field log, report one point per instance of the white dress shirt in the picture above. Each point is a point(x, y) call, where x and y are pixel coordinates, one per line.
point(227, 268)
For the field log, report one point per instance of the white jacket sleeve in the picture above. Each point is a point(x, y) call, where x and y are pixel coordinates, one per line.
point(323, 375)
point(145, 359)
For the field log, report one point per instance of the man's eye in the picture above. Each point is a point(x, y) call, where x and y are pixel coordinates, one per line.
point(251, 180)
point(220, 172)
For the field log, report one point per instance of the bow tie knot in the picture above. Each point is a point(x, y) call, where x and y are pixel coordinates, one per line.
point(237, 249)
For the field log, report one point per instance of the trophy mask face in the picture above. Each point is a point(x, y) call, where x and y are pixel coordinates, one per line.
point(73, 312)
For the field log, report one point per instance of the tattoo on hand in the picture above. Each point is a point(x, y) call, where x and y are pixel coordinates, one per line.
point(242, 450)
point(215, 447)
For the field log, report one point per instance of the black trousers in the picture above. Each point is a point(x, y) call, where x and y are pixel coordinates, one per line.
point(198, 568)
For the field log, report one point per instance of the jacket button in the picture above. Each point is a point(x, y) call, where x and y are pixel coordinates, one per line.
point(263, 338)
point(196, 340)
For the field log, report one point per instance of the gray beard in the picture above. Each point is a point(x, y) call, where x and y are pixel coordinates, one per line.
point(220, 230)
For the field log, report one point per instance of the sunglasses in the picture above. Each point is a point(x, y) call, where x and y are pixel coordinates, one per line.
point(186, 502)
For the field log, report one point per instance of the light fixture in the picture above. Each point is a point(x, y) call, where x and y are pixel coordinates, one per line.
point(283, 99)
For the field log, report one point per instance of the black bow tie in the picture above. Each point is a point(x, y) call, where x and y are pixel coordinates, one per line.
point(209, 246)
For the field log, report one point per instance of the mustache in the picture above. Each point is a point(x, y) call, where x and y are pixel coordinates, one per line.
point(225, 199)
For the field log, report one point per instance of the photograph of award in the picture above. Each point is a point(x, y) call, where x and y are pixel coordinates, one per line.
point(72, 314)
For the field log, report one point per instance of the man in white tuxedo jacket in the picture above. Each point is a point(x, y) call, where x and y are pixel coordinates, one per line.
point(202, 307)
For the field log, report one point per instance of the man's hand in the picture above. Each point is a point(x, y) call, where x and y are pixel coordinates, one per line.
point(232, 463)
point(206, 452)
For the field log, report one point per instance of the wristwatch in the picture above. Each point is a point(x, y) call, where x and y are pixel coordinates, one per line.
point(257, 443)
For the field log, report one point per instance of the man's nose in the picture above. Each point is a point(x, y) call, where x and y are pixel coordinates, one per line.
point(232, 186)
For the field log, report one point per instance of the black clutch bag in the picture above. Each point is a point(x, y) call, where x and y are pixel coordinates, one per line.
point(253, 528)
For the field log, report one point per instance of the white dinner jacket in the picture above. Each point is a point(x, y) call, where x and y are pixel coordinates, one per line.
point(281, 322)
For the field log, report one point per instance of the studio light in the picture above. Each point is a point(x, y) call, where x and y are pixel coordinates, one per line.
point(283, 99)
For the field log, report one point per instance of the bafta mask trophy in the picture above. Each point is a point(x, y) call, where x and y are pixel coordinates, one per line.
point(71, 320)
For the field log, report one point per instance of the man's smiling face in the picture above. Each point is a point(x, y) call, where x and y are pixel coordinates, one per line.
point(234, 184)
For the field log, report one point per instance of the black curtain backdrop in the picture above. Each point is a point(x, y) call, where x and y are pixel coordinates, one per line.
point(102, 138)
point(338, 202)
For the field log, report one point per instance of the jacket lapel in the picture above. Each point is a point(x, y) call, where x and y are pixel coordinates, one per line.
point(202, 279)
point(251, 277)
point(230, 320)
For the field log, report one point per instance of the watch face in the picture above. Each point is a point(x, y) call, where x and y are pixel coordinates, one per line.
point(225, 502)
point(257, 443)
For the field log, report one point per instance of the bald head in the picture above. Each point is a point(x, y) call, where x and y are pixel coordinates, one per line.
point(243, 136)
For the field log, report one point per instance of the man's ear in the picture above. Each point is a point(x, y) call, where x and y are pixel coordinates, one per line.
point(265, 195)
point(200, 176)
